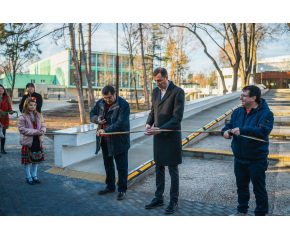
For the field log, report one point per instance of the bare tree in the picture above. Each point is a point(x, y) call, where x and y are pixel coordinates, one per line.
point(76, 73)
point(129, 42)
point(179, 45)
point(245, 68)
point(153, 41)
point(91, 99)
point(192, 27)
point(145, 86)
point(18, 46)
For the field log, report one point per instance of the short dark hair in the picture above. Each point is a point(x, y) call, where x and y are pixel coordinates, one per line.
point(108, 89)
point(30, 85)
point(254, 91)
point(160, 70)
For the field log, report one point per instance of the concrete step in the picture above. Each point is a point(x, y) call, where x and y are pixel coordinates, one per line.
point(274, 160)
point(278, 121)
point(278, 133)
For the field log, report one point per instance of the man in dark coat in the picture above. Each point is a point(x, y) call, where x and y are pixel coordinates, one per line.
point(166, 113)
point(254, 119)
point(112, 113)
point(31, 93)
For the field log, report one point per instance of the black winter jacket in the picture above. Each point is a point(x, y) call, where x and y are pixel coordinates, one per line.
point(117, 121)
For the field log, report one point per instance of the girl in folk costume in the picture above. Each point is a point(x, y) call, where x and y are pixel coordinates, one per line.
point(5, 106)
point(31, 127)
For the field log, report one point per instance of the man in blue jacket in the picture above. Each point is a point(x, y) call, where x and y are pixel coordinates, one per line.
point(254, 119)
point(112, 113)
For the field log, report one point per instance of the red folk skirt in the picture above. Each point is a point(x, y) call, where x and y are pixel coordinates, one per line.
point(33, 154)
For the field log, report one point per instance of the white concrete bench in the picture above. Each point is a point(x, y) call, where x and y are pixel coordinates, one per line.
point(70, 149)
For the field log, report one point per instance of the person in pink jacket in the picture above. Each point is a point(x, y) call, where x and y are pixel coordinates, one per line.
point(31, 127)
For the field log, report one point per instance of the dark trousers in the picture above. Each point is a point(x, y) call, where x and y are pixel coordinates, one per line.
point(160, 182)
point(122, 168)
point(3, 139)
point(254, 172)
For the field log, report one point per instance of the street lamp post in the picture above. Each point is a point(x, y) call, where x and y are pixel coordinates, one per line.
point(117, 63)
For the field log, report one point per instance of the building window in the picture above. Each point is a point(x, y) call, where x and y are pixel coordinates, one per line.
point(42, 81)
point(126, 62)
point(286, 83)
point(140, 80)
point(109, 61)
point(93, 59)
point(101, 60)
point(32, 80)
point(55, 92)
point(100, 80)
point(72, 80)
point(132, 84)
point(125, 80)
point(51, 81)
point(93, 78)
point(109, 78)
point(84, 79)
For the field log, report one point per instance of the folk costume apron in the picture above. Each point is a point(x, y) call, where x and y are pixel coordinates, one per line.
point(33, 154)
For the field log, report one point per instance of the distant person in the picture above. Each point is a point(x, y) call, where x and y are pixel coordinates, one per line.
point(5, 106)
point(31, 127)
point(111, 113)
point(30, 88)
point(166, 113)
point(254, 119)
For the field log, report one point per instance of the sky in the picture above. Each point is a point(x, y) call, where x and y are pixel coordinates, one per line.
point(104, 39)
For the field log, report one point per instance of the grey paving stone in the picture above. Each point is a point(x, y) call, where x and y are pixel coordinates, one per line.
point(65, 196)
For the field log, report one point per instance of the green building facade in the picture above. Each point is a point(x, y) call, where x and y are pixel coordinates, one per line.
point(103, 73)
point(53, 76)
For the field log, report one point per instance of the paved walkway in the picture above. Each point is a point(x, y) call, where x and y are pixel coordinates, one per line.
point(65, 196)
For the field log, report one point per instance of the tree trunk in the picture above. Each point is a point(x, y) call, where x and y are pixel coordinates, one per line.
point(255, 65)
point(242, 73)
point(80, 61)
point(152, 69)
point(145, 87)
point(76, 73)
point(13, 83)
point(91, 99)
point(237, 57)
point(235, 77)
point(134, 81)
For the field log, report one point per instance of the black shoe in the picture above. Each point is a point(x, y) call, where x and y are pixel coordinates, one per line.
point(105, 191)
point(172, 207)
point(154, 203)
point(30, 181)
point(3, 151)
point(35, 180)
point(121, 195)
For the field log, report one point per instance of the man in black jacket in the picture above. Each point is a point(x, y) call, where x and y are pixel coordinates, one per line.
point(31, 93)
point(166, 113)
point(111, 113)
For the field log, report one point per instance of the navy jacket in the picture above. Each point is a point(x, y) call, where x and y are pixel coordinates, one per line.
point(116, 121)
point(258, 123)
